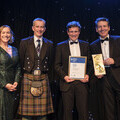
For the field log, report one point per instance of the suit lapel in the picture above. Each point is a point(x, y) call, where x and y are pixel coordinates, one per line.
point(111, 44)
point(67, 48)
point(31, 48)
point(99, 47)
point(81, 48)
point(43, 49)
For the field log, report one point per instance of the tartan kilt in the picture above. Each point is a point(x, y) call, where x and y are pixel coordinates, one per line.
point(35, 106)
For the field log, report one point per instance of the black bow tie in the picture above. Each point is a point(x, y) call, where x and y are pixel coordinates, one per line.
point(73, 43)
point(106, 39)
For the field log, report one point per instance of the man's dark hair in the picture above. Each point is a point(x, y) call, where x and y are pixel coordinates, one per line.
point(101, 19)
point(73, 24)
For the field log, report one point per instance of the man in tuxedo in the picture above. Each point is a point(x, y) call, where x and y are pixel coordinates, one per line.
point(74, 92)
point(36, 59)
point(108, 46)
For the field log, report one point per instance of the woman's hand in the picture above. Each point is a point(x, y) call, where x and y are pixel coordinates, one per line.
point(11, 87)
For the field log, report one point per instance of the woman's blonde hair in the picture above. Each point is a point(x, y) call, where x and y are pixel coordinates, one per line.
point(11, 32)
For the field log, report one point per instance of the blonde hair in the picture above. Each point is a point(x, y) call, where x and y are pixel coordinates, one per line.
point(38, 19)
point(11, 32)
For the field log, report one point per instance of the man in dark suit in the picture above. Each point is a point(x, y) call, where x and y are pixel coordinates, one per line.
point(74, 92)
point(109, 47)
point(35, 58)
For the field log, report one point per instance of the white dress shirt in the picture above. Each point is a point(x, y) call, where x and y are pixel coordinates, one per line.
point(105, 48)
point(36, 43)
point(75, 48)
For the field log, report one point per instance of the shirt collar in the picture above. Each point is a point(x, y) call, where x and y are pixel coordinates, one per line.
point(73, 41)
point(105, 38)
point(35, 38)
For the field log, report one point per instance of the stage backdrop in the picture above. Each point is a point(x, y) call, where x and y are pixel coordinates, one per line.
point(19, 14)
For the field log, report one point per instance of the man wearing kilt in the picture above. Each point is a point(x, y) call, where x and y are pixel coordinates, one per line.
point(35, 57)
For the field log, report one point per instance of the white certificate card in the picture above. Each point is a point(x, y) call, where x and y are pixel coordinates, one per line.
point(77, 67)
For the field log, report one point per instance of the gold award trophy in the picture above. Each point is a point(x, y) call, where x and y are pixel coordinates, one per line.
point(99, 67)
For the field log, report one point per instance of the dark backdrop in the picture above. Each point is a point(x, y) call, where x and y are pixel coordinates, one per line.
point(19, 14)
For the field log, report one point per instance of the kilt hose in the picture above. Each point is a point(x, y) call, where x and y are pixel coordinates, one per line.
point(35, 106)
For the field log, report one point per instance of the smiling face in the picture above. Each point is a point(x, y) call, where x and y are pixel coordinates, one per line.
point(38, 28)
point(5, 35)
point(103, 29)
point(73, 33)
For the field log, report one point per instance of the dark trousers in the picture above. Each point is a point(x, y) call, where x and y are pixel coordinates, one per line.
point(111, 92)
point(76, 95)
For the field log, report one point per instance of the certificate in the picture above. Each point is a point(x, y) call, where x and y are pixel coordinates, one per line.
point(99, 67)
point(77, 67)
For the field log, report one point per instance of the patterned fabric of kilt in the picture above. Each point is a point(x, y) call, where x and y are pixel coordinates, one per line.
point(35, 106)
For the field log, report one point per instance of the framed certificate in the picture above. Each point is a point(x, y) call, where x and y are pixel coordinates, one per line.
point(99, 67)
point(77, 67)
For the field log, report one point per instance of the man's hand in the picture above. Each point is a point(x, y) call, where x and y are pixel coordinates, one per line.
point(86, 79)
point(99, 76)
point(67, 79)
point(109, 61)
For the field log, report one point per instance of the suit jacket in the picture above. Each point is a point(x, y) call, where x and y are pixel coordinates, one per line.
point(114, 42)
point(28, 52)
point(62, 60)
